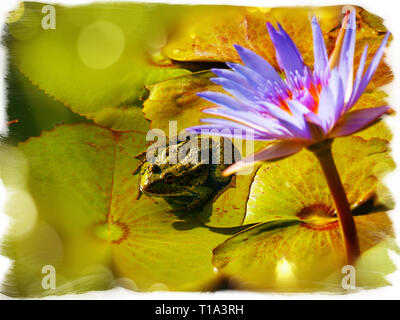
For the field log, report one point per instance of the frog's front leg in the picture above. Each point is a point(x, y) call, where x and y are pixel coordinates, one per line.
point(193, 199)
point(200, 195)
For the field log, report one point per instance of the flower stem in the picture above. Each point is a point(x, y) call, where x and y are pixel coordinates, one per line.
point(323, 152)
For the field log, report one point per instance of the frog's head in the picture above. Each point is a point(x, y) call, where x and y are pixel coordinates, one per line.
point(171, 180)
point(193, 174)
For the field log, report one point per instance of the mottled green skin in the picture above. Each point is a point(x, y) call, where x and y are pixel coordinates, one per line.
point(185, 185)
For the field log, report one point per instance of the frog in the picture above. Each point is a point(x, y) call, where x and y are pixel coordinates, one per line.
point(192, 181)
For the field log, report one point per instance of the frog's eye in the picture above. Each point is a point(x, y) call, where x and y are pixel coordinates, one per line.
point(169, 177)
point(155, 169)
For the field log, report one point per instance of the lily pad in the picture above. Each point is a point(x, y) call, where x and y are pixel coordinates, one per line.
point(297, 244)
point(372, 99)
point(34, 110)
point(295, 188)
point(292, 255)
point(176, 100)
point(229, 210)
point(87, 218)
point(211, 36)
point(98, 58)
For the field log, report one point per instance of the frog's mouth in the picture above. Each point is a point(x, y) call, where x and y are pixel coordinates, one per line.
point(159, 189)
point(164, 193)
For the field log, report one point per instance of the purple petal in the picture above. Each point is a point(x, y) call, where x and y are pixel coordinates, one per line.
point(297, 107)
point(359, 74)
point(287, 54)
point(321, 67)
point(280, 114)
point(265, 125)
point(357, 120)
point(238, 91)
point(252, 77)
point(307, 100)
point(337, 87)
point(298, 110)
point(343, 41)
point(325, 109)
point(313, 118)
point(231, 75)
point(347, 54)
point(274, 151)
point(223, 127)
point(292, 125)
point(331, 102)
point(370, 71)
point(257, 64)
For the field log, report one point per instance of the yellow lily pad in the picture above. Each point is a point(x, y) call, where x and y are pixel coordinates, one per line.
point(210, 36)
point(295, 188)
point(291, 255)
point(176, 100)
point(372, 99)
point(229, 209)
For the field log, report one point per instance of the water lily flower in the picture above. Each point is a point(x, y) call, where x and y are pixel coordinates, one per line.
point(304, 109)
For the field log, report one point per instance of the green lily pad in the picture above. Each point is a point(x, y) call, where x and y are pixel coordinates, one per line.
point(292, 255)
point(87, 222)
point(98, 58)
point(34, 110)
point(295, 188)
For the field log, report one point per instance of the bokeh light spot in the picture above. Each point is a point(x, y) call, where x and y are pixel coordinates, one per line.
point(100, 44)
